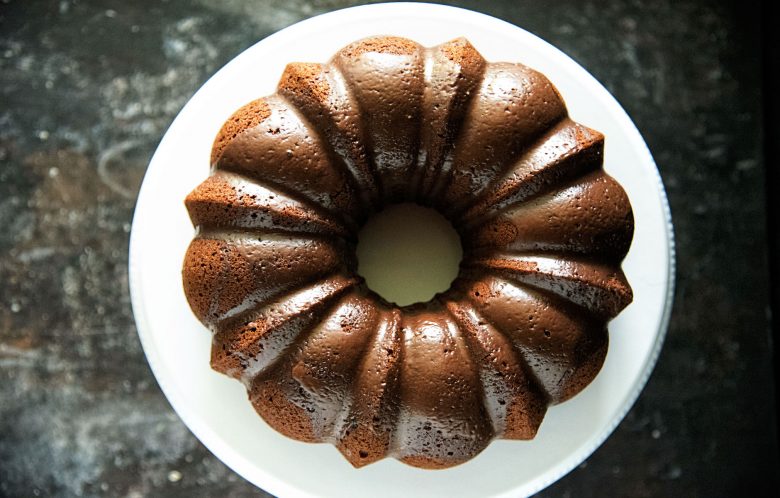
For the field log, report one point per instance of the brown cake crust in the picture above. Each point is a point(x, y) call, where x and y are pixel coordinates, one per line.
point(272, 269)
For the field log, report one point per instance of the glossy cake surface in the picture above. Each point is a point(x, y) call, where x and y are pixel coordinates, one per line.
point(272, 268)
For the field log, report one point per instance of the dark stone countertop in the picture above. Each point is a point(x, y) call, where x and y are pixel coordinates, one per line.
point(87, 89)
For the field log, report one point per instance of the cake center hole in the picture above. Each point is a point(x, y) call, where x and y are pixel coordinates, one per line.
point(407, 253)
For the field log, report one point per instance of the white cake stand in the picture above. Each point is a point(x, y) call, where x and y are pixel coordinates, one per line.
point(215, 407)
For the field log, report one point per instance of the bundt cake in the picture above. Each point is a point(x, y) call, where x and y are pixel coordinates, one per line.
point(272, 268)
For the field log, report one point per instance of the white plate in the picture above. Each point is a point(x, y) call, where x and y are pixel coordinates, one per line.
point(215, 407)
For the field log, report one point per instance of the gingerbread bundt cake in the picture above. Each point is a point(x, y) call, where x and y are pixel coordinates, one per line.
point(272, 268)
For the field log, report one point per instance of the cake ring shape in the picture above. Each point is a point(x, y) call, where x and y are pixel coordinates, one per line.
point(272, 268)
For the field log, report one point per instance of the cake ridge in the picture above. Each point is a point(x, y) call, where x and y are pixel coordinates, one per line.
point(587, 215)
point(329, 133)
point(298, 197)
point(335, 159)
point(553, 324)
point(496, 428)
point(342, 86)
point(259, 234)
point(254, 302)
point(510, 189)
point(498, 127)
point(219, 274)
point(422, 151)
point(366, 140)
point(457, 100)
point(274, 167)
point(375, 416)
point(391, 132)
point(324, 361)
point(260, 323)
point(226, 201)
point(518, 352)
point(443, 420)
point(246, 117)
point(464, 312)
point(296, 340)
point(581, 282)
point(333, 284)
point(537, 250)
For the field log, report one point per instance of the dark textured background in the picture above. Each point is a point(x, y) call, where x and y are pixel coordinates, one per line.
point(88, 88)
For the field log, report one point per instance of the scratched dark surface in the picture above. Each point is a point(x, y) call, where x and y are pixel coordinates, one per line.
point(87, 90)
